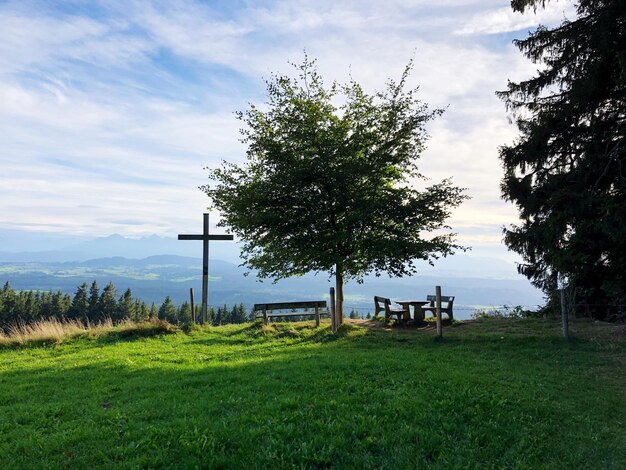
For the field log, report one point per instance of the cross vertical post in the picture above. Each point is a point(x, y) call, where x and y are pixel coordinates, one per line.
point(205, 268)
point(205, 237)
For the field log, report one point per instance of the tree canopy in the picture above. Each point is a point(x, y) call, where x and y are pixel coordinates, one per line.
point(331, 182)
point(566, 172)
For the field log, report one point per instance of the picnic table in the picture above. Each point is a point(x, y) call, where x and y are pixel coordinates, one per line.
point(418, 312)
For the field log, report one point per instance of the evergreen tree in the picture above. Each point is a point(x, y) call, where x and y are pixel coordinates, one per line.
point(80, 304)
point(154, 313)
point(168, 312)
point(47, 309)
point(9, 299)
point(222, 315)
point(211, 316)
point(107, 303)
point(31, 307)
point(354, 314)
point(94, 298)
point(142, 312)
point(238, 314)
point(126, 306)
point(566, 173)
point(60, 305)
point(184, 313)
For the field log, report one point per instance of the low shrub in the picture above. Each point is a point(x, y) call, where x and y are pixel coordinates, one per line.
point(506, 312)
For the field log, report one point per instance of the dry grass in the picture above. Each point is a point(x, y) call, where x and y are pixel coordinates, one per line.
point(55, 331)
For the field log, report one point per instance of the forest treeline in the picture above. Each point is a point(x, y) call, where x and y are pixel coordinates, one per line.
point(92, 305)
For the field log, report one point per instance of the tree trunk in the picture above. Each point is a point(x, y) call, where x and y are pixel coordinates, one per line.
point(339, 293)
point(564, 314)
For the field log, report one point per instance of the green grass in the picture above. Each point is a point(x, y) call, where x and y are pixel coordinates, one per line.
point(493, 393)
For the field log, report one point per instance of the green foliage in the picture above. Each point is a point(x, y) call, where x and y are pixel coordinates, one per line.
point(29, 306)
point(354, 314)
point(107, 303)
point(184, 313)
point(506, 311)
point(168, 312)
point(493, 394)
point(332, 187)
point(79, 309)
point(94, 296)
point(126, 306)
point(566, 173)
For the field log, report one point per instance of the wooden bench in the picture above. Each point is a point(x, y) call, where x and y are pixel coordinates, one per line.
point(448, 299)
point(262, 310)
point(388, 309)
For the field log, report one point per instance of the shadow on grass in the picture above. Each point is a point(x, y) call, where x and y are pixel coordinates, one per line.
point(328, 406)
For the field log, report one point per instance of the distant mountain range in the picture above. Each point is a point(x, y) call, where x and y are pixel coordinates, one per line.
point(141, 265)
point(26, 246)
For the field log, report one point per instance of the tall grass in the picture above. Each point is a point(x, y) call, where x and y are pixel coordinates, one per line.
point(56, 331)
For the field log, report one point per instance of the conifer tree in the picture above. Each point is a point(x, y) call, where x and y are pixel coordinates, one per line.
point(142, 312)
point(126, 306)
point(184, 313)
point(80, 304)
point(168, 312)
point(566, 173)
point(107, 303)
point(94, 298)
point(8, 300)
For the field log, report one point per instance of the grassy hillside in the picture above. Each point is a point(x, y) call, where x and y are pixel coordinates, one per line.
point(502, 393)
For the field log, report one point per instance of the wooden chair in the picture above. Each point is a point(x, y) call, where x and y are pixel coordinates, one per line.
point(388, 309)
point(449, 301)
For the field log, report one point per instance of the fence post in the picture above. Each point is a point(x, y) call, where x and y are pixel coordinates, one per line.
point(438, 310)
point(333, 317)
point(564, 314)
point(266, 320)
point(193, 310)
point(317, 317)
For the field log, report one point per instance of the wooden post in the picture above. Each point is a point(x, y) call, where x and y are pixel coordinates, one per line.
point(266, 319)
point(205, 269)
point(193, 308)
point(564, 314)
point(317, 317)
point(438, 310)
point(333, 316)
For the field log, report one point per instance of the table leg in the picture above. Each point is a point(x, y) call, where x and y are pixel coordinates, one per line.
point(419, 314)
point(406, 316)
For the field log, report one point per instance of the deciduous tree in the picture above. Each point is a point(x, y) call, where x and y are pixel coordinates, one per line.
point(331, 182)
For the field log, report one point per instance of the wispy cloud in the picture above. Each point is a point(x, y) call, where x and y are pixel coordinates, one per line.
point(109, 110)
point(505, 20)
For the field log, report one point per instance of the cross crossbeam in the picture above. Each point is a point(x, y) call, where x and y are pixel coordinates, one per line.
point(205, 237)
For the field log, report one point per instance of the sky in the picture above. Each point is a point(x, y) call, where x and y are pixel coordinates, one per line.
point(110, 111)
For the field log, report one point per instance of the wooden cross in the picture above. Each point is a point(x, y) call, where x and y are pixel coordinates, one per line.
point(205, 237)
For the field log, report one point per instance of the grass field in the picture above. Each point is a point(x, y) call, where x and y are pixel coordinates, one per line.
point(493, 393)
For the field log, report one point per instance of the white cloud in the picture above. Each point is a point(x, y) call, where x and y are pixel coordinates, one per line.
point(112, 117)
point(504, 20)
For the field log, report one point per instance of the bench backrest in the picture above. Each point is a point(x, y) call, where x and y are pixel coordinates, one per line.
point(444, 298)
point(381, 300)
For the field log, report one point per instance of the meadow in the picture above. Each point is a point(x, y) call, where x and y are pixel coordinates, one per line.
point(503, 393)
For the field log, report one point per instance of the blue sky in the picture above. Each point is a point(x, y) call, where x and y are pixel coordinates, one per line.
point(110, 110)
